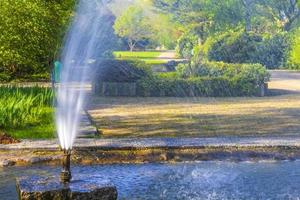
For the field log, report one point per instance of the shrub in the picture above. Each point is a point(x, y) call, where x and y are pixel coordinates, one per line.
point(232, 49)
point(196, 86)
point(249, 48)
point(293, 56)
point(272, 51)
point(186, 44)
point(122, 70)
point(254, 72)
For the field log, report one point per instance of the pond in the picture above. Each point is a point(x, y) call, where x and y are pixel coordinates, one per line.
point(192, 180)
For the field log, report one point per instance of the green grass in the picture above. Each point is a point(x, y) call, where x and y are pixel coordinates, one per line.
point(45, 129)
point(154, 61)
point(136, 54)
point(149, 57)
point(26, 112)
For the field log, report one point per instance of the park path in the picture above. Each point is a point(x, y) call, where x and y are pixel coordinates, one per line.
point(169, 56)
point(284, 81)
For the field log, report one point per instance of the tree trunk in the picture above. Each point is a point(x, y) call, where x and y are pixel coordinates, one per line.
point(131, 44)
point(248, 10)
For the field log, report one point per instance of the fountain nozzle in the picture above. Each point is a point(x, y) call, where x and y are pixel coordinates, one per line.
point(65, 175)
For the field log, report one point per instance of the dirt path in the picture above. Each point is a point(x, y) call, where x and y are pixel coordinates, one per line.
point(283, 81)
point(167, 55)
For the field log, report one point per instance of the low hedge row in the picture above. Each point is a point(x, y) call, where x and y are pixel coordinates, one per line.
point(249, 72)
point(207, 79)
point(198, 86)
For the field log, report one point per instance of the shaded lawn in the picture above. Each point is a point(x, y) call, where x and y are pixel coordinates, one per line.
point(196, 117)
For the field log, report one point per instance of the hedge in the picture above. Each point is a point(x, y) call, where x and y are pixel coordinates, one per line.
point(208, 79)
point(249, 72)
point(109, 70)
point(249, 48)
point(198, 86)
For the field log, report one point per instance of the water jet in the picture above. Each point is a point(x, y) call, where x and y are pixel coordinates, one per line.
point(82, 45)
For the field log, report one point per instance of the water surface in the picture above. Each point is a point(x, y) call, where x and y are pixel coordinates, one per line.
point(202, 180)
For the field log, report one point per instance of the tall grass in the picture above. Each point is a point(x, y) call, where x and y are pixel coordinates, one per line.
point(23, 106)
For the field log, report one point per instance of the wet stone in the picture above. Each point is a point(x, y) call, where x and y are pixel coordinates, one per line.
point(6, 163)
point(50, 188)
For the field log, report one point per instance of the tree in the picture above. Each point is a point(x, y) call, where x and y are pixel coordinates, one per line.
point(133, 25)
point(31, 35)
point(287, 11)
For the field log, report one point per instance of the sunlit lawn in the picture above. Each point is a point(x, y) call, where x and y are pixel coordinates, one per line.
point(191, 117)
point(136, 54)
point(149, 57)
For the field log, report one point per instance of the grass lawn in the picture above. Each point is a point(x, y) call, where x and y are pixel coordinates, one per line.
point(149, 57)
point(196, 117)
point(136, 54)
point(45, 131)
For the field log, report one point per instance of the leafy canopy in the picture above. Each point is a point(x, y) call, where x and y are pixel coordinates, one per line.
point(133, 25)
point(31, 34)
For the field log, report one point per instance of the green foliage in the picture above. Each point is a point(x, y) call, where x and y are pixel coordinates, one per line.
point(196, 86)
point(133, 25)
point(31, 34)
point(26, 106)
point(165, 31)
point(186, 44)
point(272, 51)
point(148, 57)
point(255, 73)
point(293, 55)
point(136, 54)
point(206, 79)
point(122, 71)
point(235, 49)
point(249, 48)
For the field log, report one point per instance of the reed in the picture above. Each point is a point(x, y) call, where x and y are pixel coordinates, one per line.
point(23, 106)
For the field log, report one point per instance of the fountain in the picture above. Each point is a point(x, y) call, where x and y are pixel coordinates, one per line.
point(81, 47)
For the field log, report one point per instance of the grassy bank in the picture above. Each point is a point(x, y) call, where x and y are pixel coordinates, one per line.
point(26, 112)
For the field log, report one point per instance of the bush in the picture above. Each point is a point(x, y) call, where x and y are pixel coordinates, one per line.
point(250, 48)
point(186, 44)
point(122, 70)
point(293, 56)
point(272, 51)
point(196, 86)
point(254, 72)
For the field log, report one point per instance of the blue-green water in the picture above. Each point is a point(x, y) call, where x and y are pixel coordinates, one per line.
point(202, 180)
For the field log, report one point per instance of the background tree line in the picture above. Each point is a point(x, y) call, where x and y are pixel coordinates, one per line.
point(233, 31)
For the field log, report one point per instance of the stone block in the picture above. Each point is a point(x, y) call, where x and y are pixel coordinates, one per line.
point(50, 188)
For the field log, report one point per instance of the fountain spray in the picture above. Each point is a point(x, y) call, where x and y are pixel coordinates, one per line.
point(82, 44)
